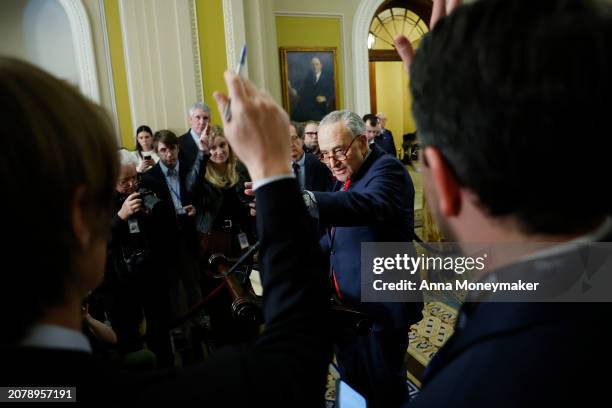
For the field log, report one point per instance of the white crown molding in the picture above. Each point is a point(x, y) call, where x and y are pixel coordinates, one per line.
point(228, 24)
point(361, 77)
point(235, 31)
point(82, 42)
point(109, 72)
point(127, 59)
point(195, 41)
point(345, 47)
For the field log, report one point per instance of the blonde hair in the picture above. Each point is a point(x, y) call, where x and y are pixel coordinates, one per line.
point(213, 175)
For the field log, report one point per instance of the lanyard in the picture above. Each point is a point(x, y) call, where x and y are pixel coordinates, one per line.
point(172, 190)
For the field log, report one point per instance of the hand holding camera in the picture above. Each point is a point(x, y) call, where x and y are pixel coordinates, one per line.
point(131, 205)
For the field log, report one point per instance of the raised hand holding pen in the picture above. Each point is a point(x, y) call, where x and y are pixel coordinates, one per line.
point(258, 131)
point(227, 113)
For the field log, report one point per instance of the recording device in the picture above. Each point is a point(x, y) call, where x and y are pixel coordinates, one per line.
point(347, 397)
point(245, 306)
point(414, 152)
point(146, 156)
point(149, 199)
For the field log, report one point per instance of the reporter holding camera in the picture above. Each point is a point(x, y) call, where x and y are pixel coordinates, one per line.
point(134, 281)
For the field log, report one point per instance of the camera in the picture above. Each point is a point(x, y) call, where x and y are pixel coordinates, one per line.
point(149, 199)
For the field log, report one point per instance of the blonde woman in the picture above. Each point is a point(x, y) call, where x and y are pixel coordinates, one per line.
point(217, 181)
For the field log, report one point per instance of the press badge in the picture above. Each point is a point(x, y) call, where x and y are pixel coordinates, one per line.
point(244, 241)
point(133, 225)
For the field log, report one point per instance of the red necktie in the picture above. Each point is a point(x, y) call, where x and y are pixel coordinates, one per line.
point(331, 235)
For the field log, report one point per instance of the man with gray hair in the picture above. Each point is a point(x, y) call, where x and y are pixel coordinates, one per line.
point(199, 120)
point(373, 202)
point(135, 282)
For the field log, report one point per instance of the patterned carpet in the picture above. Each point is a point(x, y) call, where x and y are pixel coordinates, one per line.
point(426, 337)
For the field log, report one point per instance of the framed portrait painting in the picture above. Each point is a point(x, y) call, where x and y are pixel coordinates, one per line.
point(309, 82)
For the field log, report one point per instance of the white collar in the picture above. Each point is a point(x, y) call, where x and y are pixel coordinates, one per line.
point(56, 337)
point(597, 234)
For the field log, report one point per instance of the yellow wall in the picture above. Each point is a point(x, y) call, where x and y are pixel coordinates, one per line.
point(122, 100)
point(312, 32)
point(394, 100)
point(211, 35)
point(409, 123)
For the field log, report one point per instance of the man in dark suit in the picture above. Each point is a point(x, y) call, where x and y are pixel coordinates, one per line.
point(135, 280)
point(384, 132)
point(375, 204)
point(489, 163)
point(311, 138)
point(316, 94)
point(384, 140)
point(175, 219)
point(309, 171)
point(40, 307)
point(199, 120)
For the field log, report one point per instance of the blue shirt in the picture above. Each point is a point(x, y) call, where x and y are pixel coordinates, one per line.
point(174, 185)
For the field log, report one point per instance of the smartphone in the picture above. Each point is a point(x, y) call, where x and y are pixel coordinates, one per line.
point(346, 397)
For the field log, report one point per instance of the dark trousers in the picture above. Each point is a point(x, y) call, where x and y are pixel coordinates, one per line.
point(129, 301)
point(373, 365)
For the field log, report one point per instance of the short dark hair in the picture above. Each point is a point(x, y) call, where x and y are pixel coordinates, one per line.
point(299, 128)
point(60, 144)
point(166, 137)
point(373, 119)
point(518, 100)
point(142, 128)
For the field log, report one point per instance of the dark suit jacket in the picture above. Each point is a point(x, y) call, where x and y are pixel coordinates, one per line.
point(188, 150)
point(286, 366)
point(378, 207)
point(385, 141)
point(523, 354)
point(307, 107)
point(317, 176)
point(167, 223)
point(96, 382)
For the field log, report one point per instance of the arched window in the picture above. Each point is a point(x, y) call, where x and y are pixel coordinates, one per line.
point(395, 17)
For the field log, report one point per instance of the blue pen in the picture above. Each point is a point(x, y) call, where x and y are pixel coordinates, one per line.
point(227, 113)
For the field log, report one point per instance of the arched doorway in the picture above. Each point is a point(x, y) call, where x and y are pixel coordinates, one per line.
point(381, 83)
point(54, 35)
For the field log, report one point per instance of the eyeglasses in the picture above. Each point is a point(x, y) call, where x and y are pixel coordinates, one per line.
point(128, 181)
point(311, 133)
point(338, 153)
